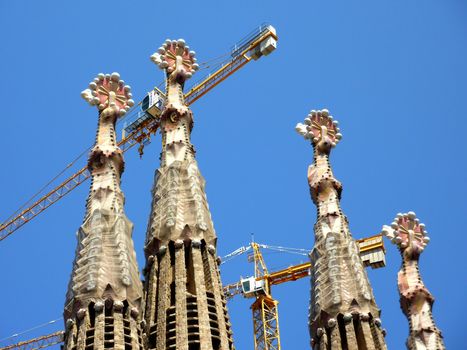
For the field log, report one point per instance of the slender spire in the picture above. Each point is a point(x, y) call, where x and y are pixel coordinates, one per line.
point(343, 311)
point(185, 305)
point(416, 301)
point(179, 63)
point(103, 302)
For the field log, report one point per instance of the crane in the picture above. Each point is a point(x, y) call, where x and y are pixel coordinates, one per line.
point(260, 42)
point(266, 333)
point(38, 343)
point(265, 312)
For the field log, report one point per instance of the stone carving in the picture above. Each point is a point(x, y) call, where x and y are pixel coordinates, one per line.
point(105, 285)
point(416, 301)
point(185, 306)
point(343, 311)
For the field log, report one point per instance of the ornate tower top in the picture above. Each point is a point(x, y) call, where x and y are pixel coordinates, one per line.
point(179, 63)
point(416, 301)
point(109, 92)
point(408, 234)
point(321, 129)
point(175, 57)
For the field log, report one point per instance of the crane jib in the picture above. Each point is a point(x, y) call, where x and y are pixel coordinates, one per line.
point(260, 43)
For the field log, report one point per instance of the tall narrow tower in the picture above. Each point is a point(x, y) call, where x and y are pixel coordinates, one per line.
point(343, 311)
point(102, 308)
point(185, 306)
point(416, 301)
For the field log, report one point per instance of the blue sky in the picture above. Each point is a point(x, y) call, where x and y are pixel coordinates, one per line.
point(393, 73)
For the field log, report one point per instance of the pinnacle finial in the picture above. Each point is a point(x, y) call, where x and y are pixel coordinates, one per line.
point(321, 129)
point(109, 91)
point(175, 57)
point(407, 232)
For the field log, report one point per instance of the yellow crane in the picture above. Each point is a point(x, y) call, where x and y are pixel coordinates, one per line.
point(261, 42)
point(38, 343)
point(266, 332)
point(265, 313)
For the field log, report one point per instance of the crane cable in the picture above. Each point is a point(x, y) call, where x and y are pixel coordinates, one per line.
point(298, 251)
point(235, 253)
point(31, 329)
point(280, 249)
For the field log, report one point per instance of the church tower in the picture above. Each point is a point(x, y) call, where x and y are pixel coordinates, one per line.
point(416, 301)
point(102, 308)
point(343, 311)
point(185, 306)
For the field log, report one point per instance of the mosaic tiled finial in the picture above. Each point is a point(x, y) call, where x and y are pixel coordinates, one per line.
point(407, 233)
point(109, 91)
point(174, 56)
point(321, 129)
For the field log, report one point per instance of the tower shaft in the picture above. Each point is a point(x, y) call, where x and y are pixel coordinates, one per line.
point(104, 294)
point(343, 311)
point(416, 301)
point(185, 306)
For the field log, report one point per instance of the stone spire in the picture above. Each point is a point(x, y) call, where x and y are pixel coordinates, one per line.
point(102, 308)
point(185, 306)
point(416, 301)
point(343, 311)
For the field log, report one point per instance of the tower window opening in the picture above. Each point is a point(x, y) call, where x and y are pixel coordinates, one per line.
point(172, 253)
point(92, 314)
point(190, 272)
point(342, 331)
point(172, 294)
point(216, 343)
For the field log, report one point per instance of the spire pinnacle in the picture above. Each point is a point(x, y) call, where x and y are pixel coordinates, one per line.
point(175, 57)
point(342, 307)
point(108, 91)
point(407, 233)
point(185, 305)
point(320, 127)
point(105, 271)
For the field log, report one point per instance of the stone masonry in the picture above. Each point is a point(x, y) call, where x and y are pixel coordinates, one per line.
point(185, 306)
point(343, 311)
point(102, 308)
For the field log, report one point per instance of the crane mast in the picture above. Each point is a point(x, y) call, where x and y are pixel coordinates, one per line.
point(266, 332)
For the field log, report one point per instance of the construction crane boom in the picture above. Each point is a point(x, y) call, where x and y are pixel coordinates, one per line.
point(264, 308)
point(371, 249)
point(38, 343)
point(68, 185)
point(259, 43)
